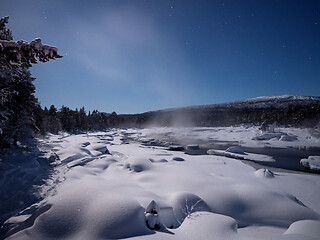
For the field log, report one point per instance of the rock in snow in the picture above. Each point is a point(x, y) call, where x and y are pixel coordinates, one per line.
point(152, 221)
point(152, 207)
point(152, 215)
point(264, 173)
point(176, 148)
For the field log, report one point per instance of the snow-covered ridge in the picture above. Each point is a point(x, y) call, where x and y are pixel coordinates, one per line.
point(282, 101)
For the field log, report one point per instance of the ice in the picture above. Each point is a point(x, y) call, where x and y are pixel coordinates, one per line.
point(238, 153)
point(235, 149)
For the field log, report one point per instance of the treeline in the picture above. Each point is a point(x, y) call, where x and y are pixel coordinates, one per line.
point(294, 115)
point(65, 119)
point(52, 120)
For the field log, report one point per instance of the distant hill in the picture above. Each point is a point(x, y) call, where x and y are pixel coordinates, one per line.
point(286, 110)
point(282, 101)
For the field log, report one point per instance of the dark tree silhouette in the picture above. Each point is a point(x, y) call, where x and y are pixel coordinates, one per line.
point(17, 100)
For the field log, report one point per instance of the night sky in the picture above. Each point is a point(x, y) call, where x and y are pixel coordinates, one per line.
point(139, 55)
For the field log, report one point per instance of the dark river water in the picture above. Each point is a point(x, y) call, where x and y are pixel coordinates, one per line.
point(285, 158)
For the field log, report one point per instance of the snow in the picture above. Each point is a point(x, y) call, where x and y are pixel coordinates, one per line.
point(111, 189)
point(35, 45)
point(235, 149)
point(238, 153)
point(276, 136)
point(308, 228)
point(152, 207)
point(312, 162)
point(243, 136)
point(138, 164)
point(264, 173)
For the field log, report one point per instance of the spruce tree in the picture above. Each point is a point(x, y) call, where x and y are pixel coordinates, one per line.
point(17, 100)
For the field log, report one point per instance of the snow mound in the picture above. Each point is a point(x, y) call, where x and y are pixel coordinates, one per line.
point(115, 217)
point(78, 172)
point(88, 215)
point(185, 203)
point(206, 225)
point(312, 162)
point(167, 217)
point(253, 204)
point(269, 136)
point(102, 148)
point(236, 149)
point(276, 136)
point(138, 164)
point(264, 173)
point(308, 228)
point(101, 164)
point(288, 138)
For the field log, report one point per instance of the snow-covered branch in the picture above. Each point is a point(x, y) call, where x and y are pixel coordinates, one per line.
point(22, 51)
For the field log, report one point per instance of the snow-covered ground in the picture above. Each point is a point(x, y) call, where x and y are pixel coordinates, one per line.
point(124, 183)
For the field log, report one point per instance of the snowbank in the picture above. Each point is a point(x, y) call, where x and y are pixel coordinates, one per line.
point(305, 229)
point(312, 162)
point(238, 153)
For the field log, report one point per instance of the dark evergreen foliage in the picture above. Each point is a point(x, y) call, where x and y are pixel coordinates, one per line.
point(294, 115)
point(17, 100)
point(53, 121)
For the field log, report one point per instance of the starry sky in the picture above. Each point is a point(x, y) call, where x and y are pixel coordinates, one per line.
point(133, 56)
